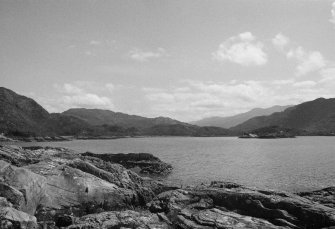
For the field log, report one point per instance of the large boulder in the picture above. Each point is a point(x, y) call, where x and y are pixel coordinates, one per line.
point(117, 175)
point(51, 189)
point(121, 176)
point(54, 183)
point(31, 185)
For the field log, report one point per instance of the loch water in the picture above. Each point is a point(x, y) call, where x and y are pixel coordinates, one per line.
point(293, 164)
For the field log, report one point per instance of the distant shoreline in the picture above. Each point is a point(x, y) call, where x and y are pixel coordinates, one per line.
point(72, 138)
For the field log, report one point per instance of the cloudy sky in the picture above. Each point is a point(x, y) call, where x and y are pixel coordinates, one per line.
point(185, 59)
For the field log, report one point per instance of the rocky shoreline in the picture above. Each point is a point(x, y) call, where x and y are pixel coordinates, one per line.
point(47, 187)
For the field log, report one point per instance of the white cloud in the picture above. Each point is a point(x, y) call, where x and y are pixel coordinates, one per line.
point(332, 19)
point(87, 100)
point(204, 99)
point(246, 36)
point(304, 84)
point(122, 70)
point(328, 75)
point(110, 87)
point(83, 94)
point(243, 49)
point(280, 41)
point(71, 89)
point(95, 43)
point(307, 61)
point(89, 53)
point(142, 56)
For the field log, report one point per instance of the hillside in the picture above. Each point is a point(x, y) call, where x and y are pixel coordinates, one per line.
point(186, 130)
point(313, 117)
point(97, 117)
point(22, 116)
point(227, 122)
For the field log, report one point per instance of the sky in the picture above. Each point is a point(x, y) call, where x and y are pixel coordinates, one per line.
point(184, 59)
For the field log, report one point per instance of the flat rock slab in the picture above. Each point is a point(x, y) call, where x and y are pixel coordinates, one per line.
point(215, 218)
point(122, 219)
point(237, 206)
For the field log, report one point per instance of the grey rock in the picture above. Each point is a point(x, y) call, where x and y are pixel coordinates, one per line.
point(13, 195)
point(12, 218)
point(120, 219)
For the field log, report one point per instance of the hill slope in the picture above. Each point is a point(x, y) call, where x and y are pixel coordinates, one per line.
point(20, 113)
point(22, 116)
point(186, 130)
point(315, 117)
point(227, 122)
point(97, 117)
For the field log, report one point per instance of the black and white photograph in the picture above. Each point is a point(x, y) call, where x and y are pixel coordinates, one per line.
point(167, 114)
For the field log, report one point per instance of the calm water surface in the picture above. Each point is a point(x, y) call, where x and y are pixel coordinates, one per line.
point(303, 163)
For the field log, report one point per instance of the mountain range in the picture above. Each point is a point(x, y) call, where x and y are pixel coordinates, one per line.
point(22, 116)
point(230, 121)
point(97, 117)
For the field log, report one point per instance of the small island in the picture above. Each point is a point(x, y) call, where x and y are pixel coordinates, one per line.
point(270, 133)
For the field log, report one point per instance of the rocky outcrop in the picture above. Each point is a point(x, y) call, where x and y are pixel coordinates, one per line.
point(16, 156)
point(225, 204)
point(42, 139)
point(52, 183)
point(14, 196)
point(12, 218)
point(21, 156)
point(147, 163)
point(324, 196)
point(120, 219)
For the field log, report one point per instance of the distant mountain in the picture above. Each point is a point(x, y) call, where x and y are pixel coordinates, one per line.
point(97, 117)
point(313, 117)
point(21, 116)
point(160, 126)
point(186, 130)
point(230, 121)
